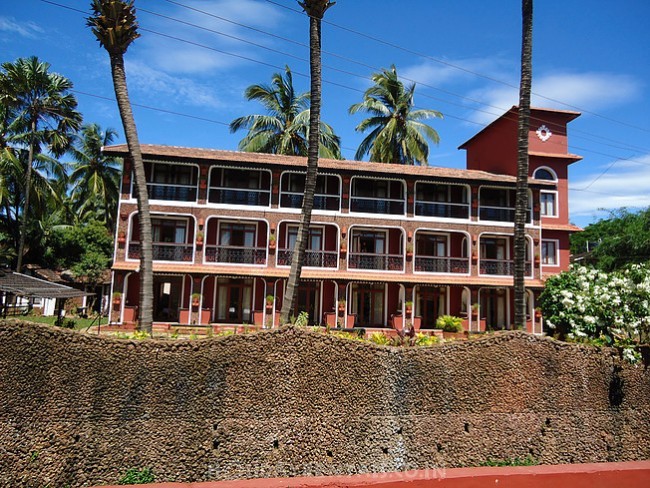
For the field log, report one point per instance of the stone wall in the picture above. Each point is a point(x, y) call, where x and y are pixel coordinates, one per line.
point(78, 410)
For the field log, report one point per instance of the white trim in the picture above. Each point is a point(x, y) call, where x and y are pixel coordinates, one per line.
point(547, 168)
point(555, 204)
point(557, 253)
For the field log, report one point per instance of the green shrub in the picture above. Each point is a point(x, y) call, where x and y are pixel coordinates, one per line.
point(379, 338)
point(425, 339)
point(449, 323)
point(135, 476)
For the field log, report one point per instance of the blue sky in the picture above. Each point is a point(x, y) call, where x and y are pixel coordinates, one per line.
point(464, 55)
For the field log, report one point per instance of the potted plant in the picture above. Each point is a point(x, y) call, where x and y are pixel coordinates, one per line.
point(475, 308)
point(269, 301)
point(409, 307)
point(196, 298)
point(199, 238)
point(342, 305)
point(409, 251)
point(121, 237)
point(272, 240)
point(344, 246)
point(538, 313)
point(117, 298)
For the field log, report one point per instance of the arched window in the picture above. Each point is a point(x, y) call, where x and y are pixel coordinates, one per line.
point(545, 174)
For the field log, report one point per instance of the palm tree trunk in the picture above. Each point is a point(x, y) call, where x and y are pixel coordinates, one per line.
point(145, 318)
point(521, 201)
point(28, 184)
point(291, 292)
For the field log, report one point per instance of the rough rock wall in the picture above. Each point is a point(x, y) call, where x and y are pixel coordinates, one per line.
point(78, 410)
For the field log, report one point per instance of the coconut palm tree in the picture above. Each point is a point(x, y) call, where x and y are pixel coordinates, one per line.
point(115, 25)
point(95, 176)
point(43, 116)
point(315, 9)
point(397, 134)
point(521, 198)
point(285, 128)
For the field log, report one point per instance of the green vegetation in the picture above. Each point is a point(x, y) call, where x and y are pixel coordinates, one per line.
point(69, 323)
point(285, 128)
point(597, 307)
point(611, 244)
point(449, 323)
point(397, 134)
point(136, 476)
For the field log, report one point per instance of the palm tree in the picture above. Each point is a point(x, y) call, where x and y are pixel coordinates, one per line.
point(285, 128)
point(43, 114)
point(115, 25)
point(397, 133)
point(521, 199)
point(95, 176)
point(315, 9)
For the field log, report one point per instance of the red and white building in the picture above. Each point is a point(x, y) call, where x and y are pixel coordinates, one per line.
point(389, 244)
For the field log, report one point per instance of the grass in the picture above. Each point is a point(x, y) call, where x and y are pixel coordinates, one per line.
point(79, 323)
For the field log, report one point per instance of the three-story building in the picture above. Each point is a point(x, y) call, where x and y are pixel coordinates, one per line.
point(389, 245)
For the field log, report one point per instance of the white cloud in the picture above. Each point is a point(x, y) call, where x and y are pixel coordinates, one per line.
point(175, 56)
point(24, 29)
point(433, 73)
point(156, 84)
point(625, 184)
point(594, 91)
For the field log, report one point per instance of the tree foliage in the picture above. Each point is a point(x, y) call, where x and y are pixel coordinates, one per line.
point(285, 127)
point(612, 243)
point(397, 133)
point(609, 308)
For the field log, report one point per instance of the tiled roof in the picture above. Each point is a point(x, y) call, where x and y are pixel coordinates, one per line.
point(572, 157)
point(185, 153)
point(569, 227)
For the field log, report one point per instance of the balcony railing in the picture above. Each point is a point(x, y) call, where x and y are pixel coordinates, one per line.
point(386, 262)
point(321, 201)
point(440, 264)
point(501, 267)
point(177, 193)
point(500, 214)
point(235, 254)
point(313, 259)
point(377, 205)
point(164, 251)
point(248, 196)
point(442, 210)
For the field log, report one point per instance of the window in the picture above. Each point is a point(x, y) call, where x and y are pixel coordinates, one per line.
point(549, 253)
point(314, 242)
point(168, 230)
point(548, 204)
point(545, 174)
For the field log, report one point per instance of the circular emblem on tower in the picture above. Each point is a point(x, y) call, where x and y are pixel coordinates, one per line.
point(544, 133)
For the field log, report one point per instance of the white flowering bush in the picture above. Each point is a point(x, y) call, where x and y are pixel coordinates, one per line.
point(603, 308)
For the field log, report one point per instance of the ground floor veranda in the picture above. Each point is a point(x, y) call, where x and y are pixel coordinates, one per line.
point(201, 300)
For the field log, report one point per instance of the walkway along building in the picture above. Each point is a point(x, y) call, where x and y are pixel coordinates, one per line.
point(389, 245)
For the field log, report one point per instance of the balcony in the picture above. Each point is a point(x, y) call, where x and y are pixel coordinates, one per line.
point(177, 193)
point(442, 210)
point(235, 254)
point(497, 205)
point(229, 196)
point(376, 261)
point(441, 200)
point(321, 202)
point(502, 267)
point(234, 186)
point(312, 259)
point(377, 206)
point(164, 251)
point(377, 196)
point(436, 264)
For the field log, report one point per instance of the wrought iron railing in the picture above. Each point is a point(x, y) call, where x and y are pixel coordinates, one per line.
point(440, 264)
point(248, 196)
point(387, 262)
point(177, 193)
point(377, 205)
point(164, 251)
point(501, 267)
point(442, 210)
point(321, 201)
point(500, 214)
point(314, 259)
point(235, 254)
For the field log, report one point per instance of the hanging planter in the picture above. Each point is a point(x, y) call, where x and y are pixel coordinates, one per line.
point(121, 238)
point(199, 239)
point(196, 298)
point(409, 308)
point(272, 240)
